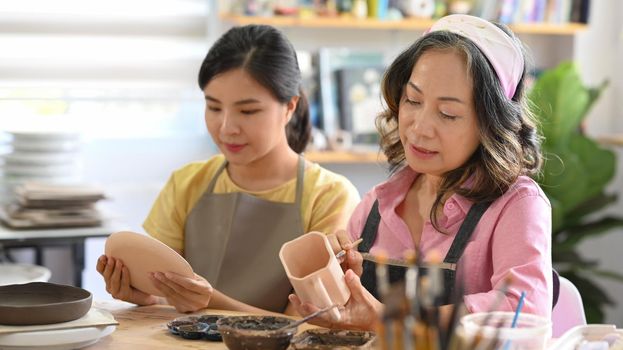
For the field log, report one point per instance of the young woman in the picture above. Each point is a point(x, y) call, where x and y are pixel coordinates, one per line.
point(229, 216)
point(460, 143)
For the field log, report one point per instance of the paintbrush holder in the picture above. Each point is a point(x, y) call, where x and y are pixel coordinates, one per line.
point(531, 332)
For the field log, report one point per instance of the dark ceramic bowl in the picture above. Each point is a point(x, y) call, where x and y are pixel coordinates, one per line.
point(42, 303)
point(256, 332)
point(326, 339)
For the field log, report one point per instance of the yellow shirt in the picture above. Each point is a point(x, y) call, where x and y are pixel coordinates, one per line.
point(328, 199)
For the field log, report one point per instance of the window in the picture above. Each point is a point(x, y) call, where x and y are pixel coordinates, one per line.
point(111, 68)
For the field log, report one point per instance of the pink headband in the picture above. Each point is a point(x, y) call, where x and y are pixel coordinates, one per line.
point(505, 56)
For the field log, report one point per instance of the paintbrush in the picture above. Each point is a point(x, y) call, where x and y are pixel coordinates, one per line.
point(507, 344)
point(502, 293)
point(495, 342)
point(404, 263)
point(431, 298)
point(353, 245)
point(411, 296)
point(382, 282)
point(454, 316)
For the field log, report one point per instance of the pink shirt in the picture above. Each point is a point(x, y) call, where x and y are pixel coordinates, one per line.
point(513, 237)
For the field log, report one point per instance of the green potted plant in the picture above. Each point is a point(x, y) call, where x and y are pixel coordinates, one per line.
point(575, 173)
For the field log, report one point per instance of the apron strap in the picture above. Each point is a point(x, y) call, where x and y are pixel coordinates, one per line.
point(370, 229)
point(300, 181)
point(216, 175)
point(465, 232)
point(451, 293)
point(300, 175)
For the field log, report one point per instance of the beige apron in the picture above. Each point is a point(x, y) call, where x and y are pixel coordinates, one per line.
point(233, 241)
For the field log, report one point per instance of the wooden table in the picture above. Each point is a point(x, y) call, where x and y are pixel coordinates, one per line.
point(145, 328)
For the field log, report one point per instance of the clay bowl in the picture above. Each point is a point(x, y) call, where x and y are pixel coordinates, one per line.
point(142, 254)
point(256, 332)
point(39, 303)
point(326, 339)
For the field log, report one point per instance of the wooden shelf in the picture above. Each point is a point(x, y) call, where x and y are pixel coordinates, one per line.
point(611, 140)
point(548, 28)
point(350, 157)
point(375, 24)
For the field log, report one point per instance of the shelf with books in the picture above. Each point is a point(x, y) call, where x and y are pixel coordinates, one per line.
point(404, 24)
point(346, 156)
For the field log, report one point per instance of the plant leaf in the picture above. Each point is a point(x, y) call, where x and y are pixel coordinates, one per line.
point(562, 101)
point(599, 162)
point(571, 258)
point(580, 232)
point(588, 207)
point(574, 175)
point(613, 275)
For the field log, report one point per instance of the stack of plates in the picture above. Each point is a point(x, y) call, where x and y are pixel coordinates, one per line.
point(42, 155)
point(43, 205)
point(51, 157)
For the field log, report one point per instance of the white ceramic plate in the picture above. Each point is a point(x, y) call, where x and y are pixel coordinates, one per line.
point(45, 135)
point(142, 255)
point(22, 273)
point(60, 339)
point(39, 170)
point(40, 158)
point(45, 145)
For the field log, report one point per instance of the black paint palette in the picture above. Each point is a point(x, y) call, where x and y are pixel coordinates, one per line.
point(196, 327)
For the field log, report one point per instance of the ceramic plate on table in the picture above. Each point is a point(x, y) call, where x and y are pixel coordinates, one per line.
point(22, 273)
point(39, 303)
point(143, 255)
point(61, 339)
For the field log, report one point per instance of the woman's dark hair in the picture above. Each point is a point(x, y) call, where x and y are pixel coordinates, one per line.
point(268, 56)
point(510, 145)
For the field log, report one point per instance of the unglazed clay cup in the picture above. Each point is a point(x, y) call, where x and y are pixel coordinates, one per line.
point(314, 271)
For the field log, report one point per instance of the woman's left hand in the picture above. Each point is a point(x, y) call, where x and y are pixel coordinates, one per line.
point(185, 294)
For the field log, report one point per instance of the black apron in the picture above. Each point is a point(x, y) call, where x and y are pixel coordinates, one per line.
point(397, 273)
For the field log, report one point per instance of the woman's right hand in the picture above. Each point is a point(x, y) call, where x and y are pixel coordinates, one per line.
point(117, 278)
point(352, 260)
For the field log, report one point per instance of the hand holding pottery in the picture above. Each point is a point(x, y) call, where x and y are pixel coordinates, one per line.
point(117, 278)
point(314, 271)
point(186, 294)
point(143, 255)
point(360, 312)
